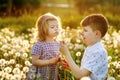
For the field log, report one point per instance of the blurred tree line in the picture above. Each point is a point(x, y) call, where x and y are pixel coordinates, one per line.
point(102, 6)
point(17, 7)
point(110, 8)
point(70, 16)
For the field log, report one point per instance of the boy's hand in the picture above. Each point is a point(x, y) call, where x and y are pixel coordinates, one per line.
point(63, 47)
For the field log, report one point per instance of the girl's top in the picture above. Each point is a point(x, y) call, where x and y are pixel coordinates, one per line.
point(45, 50)
point(95, 60)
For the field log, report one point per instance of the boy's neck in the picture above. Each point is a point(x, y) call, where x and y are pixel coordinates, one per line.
point(94, 43)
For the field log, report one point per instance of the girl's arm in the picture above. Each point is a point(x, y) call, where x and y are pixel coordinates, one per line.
point(38, 62)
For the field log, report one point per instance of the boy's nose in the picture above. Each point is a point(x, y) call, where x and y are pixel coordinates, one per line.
point(81, 33)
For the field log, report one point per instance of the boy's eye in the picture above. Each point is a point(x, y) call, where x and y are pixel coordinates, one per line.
point(85, 30)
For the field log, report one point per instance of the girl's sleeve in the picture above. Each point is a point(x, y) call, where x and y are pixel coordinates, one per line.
point(36, 49)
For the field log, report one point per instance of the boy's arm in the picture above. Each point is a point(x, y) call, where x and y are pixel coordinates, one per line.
point(77, 72)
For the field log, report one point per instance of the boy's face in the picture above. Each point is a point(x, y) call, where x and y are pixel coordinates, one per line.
point(53, 28)
point(88, 36)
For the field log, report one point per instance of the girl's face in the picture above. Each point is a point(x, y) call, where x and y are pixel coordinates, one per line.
point(88, 35)
point(53, 28)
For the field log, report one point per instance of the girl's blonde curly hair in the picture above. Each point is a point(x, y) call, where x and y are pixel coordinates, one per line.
point(42, 25)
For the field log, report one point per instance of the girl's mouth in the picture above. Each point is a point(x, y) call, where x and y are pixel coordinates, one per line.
point(56, 32)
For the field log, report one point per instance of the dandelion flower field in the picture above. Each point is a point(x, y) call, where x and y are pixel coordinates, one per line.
point(15, 58)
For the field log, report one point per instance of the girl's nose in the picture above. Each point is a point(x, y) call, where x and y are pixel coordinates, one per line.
point(81, 33)
point(56, 28)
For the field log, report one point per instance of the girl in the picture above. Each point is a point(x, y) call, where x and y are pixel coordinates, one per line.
point(45, 52)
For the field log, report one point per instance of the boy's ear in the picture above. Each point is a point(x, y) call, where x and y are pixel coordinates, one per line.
point(98, 33)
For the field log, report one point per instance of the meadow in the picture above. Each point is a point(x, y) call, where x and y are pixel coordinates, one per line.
point(15, 58)
point(17, 37)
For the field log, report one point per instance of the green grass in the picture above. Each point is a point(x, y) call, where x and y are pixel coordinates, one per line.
point(18, 24)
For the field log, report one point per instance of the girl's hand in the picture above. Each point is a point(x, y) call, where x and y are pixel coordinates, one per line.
point(64, 63)
point(54, 60)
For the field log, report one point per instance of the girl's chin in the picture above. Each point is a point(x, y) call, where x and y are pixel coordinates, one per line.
point(56, 34)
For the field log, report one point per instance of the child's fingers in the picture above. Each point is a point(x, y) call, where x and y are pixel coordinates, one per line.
point(66, 67)
point(59, 59)
point(62, 43)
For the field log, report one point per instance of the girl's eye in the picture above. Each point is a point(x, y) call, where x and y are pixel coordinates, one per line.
point(52, 27)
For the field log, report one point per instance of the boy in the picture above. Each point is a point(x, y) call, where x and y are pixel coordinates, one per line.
point(94, 62)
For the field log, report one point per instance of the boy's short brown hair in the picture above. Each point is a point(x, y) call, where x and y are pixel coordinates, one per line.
point(96, 22)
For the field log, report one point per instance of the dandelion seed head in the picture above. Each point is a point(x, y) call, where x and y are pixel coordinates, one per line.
point(111, 78)
point(17, 77)
point(27, 63)
point(6, 54)
point(24, 55)
point(7, 69)
point(16, 70)
point(2, 62)
point(9, 77)
point(17, 54)
point(23, 75)
point(85, 78)
point(12, 61)
point(78, 54)
point(25, 69)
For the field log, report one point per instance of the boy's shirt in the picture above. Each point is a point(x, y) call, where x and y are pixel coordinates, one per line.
point(95, 60)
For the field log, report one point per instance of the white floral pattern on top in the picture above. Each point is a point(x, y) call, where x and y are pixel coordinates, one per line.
point(45, 50)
